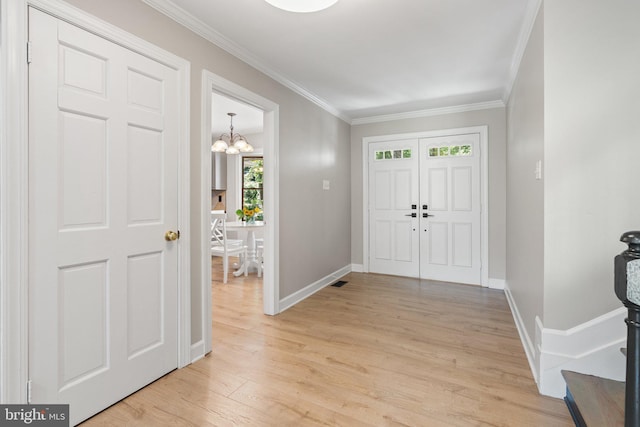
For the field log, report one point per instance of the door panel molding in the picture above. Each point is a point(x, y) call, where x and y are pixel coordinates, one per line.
point(484, 193)
point(14, 180)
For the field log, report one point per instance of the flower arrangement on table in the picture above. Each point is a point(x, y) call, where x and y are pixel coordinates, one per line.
point(248, 214)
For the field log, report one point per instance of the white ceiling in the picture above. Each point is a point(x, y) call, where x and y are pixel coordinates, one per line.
point(364, 58)
point(248, 119)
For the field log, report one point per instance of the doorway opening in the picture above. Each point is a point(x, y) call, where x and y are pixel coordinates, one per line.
point(226, 94)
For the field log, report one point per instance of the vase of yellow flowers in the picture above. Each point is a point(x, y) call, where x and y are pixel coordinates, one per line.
point(248, 214)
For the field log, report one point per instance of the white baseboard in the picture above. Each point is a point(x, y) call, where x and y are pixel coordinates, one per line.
point(357, 268)
point(590, 348)
point(527, 344)
point(197, 351)
point(497, 284)
point(311, 289)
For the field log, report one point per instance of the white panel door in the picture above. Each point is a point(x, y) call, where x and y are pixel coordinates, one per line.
point(450, 208)
point(103, 280)
point(393, 208)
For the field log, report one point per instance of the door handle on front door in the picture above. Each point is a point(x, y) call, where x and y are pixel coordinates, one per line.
point(426, 215)
point(412, 215)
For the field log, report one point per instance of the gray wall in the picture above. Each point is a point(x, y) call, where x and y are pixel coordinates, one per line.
point(592, 152)
point(495, 120)
point(314, 145)
point(525, 194)
point(315, 231)
point(576, 104)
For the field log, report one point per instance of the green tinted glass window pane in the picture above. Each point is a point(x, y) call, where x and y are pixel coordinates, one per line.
point(397, 154)
point(253, 170)
point(379, 155)
point(465, 150)
point(444, 151)
point(406, 154)
point(388, 155)
point(454, 151)
point(433, 152)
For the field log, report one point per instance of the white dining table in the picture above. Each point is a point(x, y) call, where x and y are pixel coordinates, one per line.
point(250, 228)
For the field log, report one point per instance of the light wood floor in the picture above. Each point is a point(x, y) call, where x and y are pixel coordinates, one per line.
point(378, 351)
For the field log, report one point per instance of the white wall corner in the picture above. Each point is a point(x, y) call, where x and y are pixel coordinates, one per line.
point(591, 348)
point(527, 344)
point(357, 268)
point(533, 7)
point(496, 283)
point(307, 291)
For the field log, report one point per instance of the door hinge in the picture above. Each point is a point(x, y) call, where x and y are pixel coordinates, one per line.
point(29, 52)
point(29, 391)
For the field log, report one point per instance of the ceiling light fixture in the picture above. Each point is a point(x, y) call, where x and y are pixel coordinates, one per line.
point(302, 6)
point(236, 143)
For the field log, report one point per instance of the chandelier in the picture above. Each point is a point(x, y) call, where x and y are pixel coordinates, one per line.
point(236, 143)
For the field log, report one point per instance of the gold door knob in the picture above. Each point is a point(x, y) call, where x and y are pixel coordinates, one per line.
point(170, 235)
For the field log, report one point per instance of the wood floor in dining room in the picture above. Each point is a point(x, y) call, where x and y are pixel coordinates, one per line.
point(379, 350)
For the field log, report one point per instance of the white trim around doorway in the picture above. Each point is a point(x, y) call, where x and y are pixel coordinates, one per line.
point(484, 188)
point(271, 295)
point(14, 181)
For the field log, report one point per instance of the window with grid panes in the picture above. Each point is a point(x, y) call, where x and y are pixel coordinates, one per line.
point(252, 184)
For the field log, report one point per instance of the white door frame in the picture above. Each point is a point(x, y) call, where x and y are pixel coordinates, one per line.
point(14, 181)
point(271, 295)
point(484, 188)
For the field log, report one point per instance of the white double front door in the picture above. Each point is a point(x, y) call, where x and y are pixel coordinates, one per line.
point(103, 186)
point(424, 208)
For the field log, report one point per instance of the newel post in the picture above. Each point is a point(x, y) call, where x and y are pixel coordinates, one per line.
point(627, 287)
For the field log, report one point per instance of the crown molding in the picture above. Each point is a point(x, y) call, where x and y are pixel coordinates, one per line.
point(533, 7)
point(187, 20)
point(429, 112)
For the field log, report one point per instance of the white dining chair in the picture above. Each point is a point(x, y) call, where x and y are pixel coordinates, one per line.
point(215, 217)
point(223, 247)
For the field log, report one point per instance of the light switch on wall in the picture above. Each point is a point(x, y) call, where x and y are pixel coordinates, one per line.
point(325, 184)
point(538, 169)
